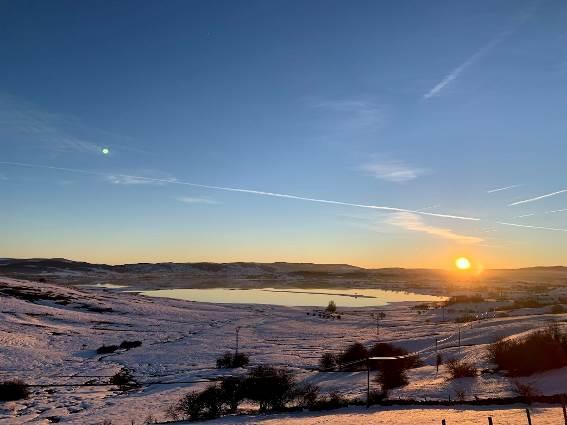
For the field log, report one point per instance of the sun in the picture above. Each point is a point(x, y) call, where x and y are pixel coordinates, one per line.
point(463, 263)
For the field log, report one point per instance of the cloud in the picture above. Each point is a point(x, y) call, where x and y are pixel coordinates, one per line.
point(455, 73)
point(393, 171)
point(126, 177)
point(413, 222)
point(500, 189)
point(537, 198)
point(192, 200)
point(354, 114)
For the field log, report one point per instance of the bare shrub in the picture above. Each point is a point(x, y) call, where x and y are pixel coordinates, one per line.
point(124, 380)
point(460, 394)
point(107, 349)
point(527, 391)
point(231, 361)
point(461, 369)
point(327, 361)
point(13, 390)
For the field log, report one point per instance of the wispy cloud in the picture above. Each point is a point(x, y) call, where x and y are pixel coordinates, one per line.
point(57, 133)
point(393, 171)
point(193, 200)
point(537, 198)
point(354, 114)
point(127, 177)
point(414, 223)
point(500, 189)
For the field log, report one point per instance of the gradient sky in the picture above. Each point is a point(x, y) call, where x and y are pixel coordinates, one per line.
point(427, 107)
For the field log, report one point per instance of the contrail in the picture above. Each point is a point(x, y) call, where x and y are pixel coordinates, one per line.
point(503, 188)
point(556, 211)
point(525, 215)
point(241, 190)
point(537, 198)
point(532, 227)
point(463, 66)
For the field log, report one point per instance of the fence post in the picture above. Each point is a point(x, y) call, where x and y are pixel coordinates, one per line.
point(367, 383)
point(564, 410)
point(529, 416)
point(490, 420)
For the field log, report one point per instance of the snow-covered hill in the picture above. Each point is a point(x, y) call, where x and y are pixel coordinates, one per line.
point(49, 335)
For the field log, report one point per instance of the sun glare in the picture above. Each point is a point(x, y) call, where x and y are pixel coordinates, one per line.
point(463, 263)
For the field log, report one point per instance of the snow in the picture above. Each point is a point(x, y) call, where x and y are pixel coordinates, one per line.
point(509, 415)
point(53, 340)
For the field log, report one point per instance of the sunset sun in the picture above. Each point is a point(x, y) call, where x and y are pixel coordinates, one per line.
point(463, 263)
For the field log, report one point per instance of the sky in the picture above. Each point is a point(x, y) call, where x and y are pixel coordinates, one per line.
point(379, 134)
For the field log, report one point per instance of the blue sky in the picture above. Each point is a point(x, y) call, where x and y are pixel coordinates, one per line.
point(424, 107)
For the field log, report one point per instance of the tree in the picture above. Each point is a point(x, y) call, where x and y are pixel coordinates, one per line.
point(392, 374)
point(271, 387)
point(331, 307)
point(233, 391)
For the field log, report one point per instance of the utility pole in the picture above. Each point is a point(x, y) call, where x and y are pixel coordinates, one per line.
point(377, 324)
point(236, 350)
point(459, 338)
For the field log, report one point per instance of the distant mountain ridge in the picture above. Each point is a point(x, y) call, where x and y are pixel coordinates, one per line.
point(51, 264)
point(61, 264)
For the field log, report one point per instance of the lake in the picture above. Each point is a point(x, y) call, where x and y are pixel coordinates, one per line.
point(294, 297)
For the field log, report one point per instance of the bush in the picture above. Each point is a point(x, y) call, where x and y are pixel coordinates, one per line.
point(207, 404)
point(355, 352)
point(526, 391)
point(272, 388)
point(383, 349)
point(124, 380)
point(332, 401)
point(461, 369)
point(306, 395)
point(536, 352)
point(331, 307)
point(190, 406)
point(232, 361)
point(127, 345)
point(107, 349)
point(13, 390)
point(392, 375)
point(327, 361)
point(211, 402)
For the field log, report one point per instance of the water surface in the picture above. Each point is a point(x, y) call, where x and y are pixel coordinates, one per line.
point(294, 297)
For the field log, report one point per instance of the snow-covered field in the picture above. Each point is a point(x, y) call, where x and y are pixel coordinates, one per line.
point(49, 335)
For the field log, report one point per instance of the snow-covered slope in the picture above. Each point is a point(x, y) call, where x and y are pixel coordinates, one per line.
point(49, 335)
